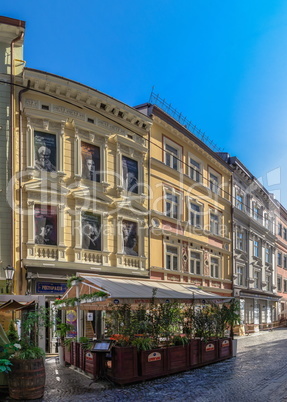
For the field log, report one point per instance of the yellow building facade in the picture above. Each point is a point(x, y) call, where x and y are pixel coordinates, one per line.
point(80, 193)
point(190, 208)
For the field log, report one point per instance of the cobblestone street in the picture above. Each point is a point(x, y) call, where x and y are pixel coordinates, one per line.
point(258, 373)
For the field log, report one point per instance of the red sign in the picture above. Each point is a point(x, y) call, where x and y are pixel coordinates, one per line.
point(209, 347)
point(89, 356)
point(155, 356)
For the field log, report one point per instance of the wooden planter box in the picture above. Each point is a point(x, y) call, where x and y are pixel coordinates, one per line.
point(75, 346)
point(82, 353)
point(224, 348)
point(209, 351)
point(177, 358)
point(68, 354)
point(194, 352)
point(91, 364)
point(153, 363)
point(124, 365)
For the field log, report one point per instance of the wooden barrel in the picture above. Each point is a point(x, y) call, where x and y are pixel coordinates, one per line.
point(27, 379)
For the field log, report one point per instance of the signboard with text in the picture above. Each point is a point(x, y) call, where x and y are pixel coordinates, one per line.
point(51, 287)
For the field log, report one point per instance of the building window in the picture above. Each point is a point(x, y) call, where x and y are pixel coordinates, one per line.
point(257, 279)
point(266, 221)
point(45, 219)
point(285, 261)
point(172, 154)
point(194, 263)
point(285, 233)
point(285, 286)
point(214, 183)
point(214, 223)
point(279, 259)
point(194, 170)
point(256, 248)
point(130, 238)
point(195, 214)
point(172, 204)
point(279, 229)
point(240, 240)
point(239, 202)
point(214, 267)
point(171, 258)
point(256, 212)
point(268, 255)
point(91, 231)
point(240, 275)
point(130, 174)
point(45, 147)
point(91, 162)
point(279, 283)
point(268, 283)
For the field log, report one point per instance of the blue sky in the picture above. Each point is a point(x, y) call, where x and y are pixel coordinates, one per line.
point(221, 63)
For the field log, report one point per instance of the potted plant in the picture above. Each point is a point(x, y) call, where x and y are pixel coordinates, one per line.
point(4, 357)
point(74, 280)
point(61, 332)
point(26, 379)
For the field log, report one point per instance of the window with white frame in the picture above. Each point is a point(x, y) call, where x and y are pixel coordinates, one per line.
point(280, 229)
point(45, 151)
point(279, 259)
point(214, 223)
point(172, 204)
point(268, 254)
point(240, 271)
point(194, 169)
point(257, 279)
point(279, 283)
point(285, 261)
point(171, 257)
point(266, 221)
point(45, 221)
point(214, 267)
point(256, 251)
point(172, 154)
point(285, 233)
point(194, 262)
point(285, 286)
point(195, 214)
point(268, 282)
point(239, 201)
point(240, 240)
point(214, 182)
point(256, 212)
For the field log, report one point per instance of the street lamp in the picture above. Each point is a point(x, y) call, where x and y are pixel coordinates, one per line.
point(9, 273)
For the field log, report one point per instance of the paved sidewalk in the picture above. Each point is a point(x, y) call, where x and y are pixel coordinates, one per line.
point(257, 374)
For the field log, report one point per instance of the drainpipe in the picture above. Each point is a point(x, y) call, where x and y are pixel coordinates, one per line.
point(20, 179)
point(149, 202)
point(12, 111)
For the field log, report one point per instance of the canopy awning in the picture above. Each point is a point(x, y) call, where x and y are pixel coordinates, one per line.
point(125, 288)
point(10, 305)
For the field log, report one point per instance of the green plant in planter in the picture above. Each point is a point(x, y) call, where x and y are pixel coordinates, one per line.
point(143, 343)
point(231, 315)
point(12, 333)
point(67, 342)
point(72, 279)
point(85, 342)
point(179, 340)
point(61, 331)
point(5, 366)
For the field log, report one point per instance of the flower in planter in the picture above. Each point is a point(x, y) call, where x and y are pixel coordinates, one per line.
point(121, 340)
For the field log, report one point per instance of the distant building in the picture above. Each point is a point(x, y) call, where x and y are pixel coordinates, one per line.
point(254, 248)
